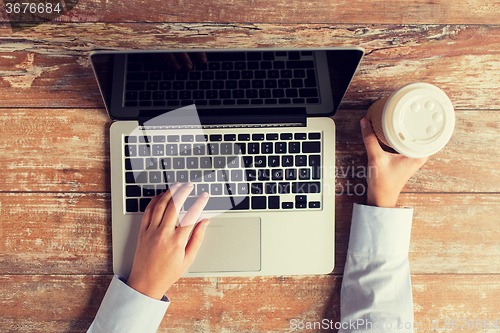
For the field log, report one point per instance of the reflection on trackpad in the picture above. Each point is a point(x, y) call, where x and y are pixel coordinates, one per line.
point(229, 245)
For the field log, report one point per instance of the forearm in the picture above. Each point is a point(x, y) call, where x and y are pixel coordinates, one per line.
point(376, 288)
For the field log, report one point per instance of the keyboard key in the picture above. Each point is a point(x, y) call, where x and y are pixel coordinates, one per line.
point(166, 163)
point(159, 138)
point(205, 162)
point(260, 162)
point(294, 147)
point(200, 188)
point(178, 163)
point(136, 177)
point(286, 136)
point(192, 162)
point(172, 138)
point(134, 164)
point(143, 204)
point(267, 148)
point(259, 202)
point(236, 175)
point(185, 149)
point(144, 150)
point(287, 160)
point(169, 177)
point(132, 191)
point(213, 148)
point(314, 204)
point(229, 137)
point(287, 205)
point(280, 147)
point(304, 174)
point(272, 136)
point(131, 205)
point(132, 139)
point(230, 189)
point(222, 175)
point(311, 147)
point(198, 149)
point(300, 160)
point(306, 187)
point(155, 177)
point(271, 188)
point(243, 137)
point(273, 161)
point(314, 136)
point(219, 162)
point(273, 202)
point(257, 188)
point(243, 188)
point(300, 136)
point(209, 176)
point(277, 174)
point(253, 148)
point(233, 162)
point(283, 188)
point(264, 174)
point(158, 150)
point(195, 176)
point(290, 174)
point(148, 191)
point(201, 138)
point(216, 189)
point(182, 176)
point(187, 138)
point(300, 64)
point(226, 148)
point(151, 163)
point(251, 175)
point(257, 137)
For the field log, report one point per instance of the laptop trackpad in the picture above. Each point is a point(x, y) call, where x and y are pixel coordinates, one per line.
point(229, 245)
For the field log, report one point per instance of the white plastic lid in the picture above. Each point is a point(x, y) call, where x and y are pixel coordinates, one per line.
point(419, 120)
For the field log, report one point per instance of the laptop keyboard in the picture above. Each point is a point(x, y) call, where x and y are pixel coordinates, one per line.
point(228, 78)
point(241, 172)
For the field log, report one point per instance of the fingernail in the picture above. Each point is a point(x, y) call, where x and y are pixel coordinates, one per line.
point(177, 67)
point(205, 224)
point(364, 123)
point(189, 184)
point(176, 184)
point(204, 195)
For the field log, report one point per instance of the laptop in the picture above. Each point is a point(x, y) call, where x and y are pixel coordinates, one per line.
point(250, 127)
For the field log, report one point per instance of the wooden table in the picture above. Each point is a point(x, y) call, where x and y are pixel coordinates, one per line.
point(55, 229)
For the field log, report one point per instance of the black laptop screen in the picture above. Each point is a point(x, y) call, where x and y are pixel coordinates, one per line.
point(223, 83)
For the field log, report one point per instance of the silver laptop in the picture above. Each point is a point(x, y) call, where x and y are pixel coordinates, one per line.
point(251, 128)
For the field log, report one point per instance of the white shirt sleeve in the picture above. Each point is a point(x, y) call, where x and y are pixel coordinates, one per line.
point(125, 310)
point(376, 289)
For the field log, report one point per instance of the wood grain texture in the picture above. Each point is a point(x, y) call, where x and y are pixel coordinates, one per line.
point(275, 11)
point(68, 150)
point(70, 233)
point(51, 67)
point(68, 303)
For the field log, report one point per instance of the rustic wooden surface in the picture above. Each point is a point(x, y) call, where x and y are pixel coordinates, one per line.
point(55, 237)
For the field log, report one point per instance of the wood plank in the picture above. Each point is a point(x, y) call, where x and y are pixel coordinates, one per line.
point(51, 68)
point(51, 303)
point(68, 150)
point(323, 11)
point(66, 233)
point(43, 233)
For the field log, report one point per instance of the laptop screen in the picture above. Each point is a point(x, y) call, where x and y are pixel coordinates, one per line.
point(222, 83)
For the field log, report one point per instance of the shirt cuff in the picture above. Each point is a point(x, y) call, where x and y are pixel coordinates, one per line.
point(124, 309)
point(380, 231)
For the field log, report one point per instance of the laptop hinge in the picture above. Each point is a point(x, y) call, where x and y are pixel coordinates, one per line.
point(292, 115)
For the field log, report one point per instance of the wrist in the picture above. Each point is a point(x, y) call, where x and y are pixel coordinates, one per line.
point(384, 201)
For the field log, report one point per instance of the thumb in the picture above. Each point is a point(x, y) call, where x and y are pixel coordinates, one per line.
point(194, 243)
point(370, 139)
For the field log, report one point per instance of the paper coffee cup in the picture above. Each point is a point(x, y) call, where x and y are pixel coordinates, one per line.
point(417, 120)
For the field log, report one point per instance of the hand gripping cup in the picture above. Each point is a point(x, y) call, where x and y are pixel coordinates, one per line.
point(417, 120)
